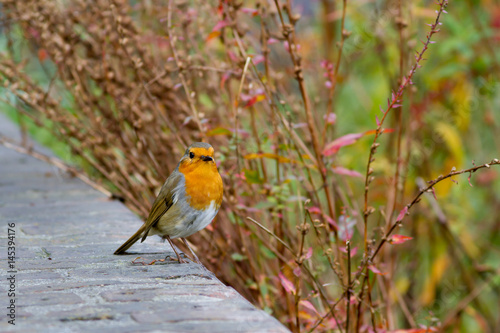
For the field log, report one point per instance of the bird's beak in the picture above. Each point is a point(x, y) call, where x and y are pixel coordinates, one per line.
point(206, 158)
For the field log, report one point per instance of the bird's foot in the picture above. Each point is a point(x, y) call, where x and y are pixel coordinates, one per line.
point(179, 259)
point(144, 263)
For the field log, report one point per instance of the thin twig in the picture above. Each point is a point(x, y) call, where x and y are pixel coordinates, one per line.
point(237, 103)
point(398, 222)
point(318, 285)
point(343, 35)
point(348, 289)
point(425, 190)
point(289, 34)
point(181, 68)
point(392, 103)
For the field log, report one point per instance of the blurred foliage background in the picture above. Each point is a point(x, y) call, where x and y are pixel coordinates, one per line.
point(290, 95)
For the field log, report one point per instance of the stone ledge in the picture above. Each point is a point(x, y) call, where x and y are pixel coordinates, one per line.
point(69, 280)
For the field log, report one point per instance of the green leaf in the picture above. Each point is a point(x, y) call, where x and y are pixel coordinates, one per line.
point(252, 176)
point(238, 257)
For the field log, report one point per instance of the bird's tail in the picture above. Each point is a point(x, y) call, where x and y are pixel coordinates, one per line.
point(131, 240)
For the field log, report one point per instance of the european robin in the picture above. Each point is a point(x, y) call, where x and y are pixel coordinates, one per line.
point(187, 202)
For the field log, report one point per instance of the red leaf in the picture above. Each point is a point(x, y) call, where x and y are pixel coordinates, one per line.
point(287, 284)
point(257, 59)
point(232, 56)
point(252, 11)
point(314, 210)
point(308, 305)
point(224, 78)
point(375, 270)
point(332, 117)
point(402, 214)
point(434, 193)
point(354, 250)
point(330, 221)
point(220, 25)
point(338, 143)
point(286, 45)
point(346, 172)
point(255, 99)
point(399, 239)
point(297, 271)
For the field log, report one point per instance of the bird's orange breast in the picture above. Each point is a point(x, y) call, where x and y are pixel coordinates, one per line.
point(203, 184)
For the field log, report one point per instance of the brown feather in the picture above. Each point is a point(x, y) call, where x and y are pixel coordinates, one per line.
point(125, 246)
point(160, 206)
point(162, 203)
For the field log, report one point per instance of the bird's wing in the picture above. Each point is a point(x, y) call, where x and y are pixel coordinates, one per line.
point(162, 203)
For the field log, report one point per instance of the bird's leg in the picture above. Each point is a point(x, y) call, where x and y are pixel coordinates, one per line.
point(181, 261)
point(192, 252)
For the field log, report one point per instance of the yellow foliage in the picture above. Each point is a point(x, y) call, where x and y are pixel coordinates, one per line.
point(279, 158)
point(439, 266)
point(454, 144)
point(469, 243)
point(461, 96)
point(402, 284)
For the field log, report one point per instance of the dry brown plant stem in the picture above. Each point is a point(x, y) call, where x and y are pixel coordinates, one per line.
point(289, 34)
point(180, 65)
point(343, 35)
point(237, 107)
point(395, 193)
point(314, 279)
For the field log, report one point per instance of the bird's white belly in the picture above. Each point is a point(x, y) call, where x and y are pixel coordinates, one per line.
point(190, 226)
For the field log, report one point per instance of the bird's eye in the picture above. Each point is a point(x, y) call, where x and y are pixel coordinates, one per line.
point(191, 155)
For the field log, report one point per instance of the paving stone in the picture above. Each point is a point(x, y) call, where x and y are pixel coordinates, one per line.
point(68, 279)
point(48, 298)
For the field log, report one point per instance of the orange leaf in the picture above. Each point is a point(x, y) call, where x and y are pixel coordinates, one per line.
point(42, 54)
point(213, 34)
point(399, 239)
point(384, 130)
